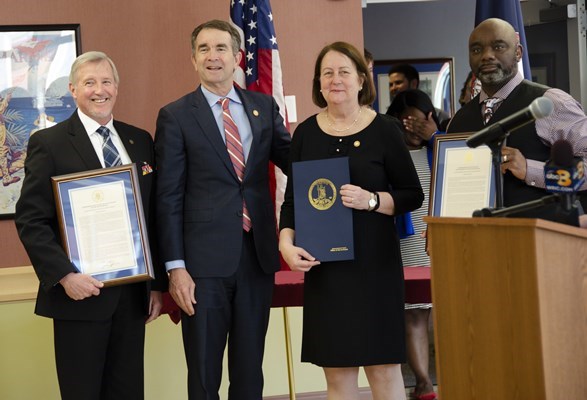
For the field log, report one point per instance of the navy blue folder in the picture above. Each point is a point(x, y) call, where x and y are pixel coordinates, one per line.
point(324, 227)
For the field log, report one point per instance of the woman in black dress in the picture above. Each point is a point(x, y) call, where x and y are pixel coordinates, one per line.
point(353, 310)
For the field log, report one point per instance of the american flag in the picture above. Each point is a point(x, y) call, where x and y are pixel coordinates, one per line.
point(260, 67)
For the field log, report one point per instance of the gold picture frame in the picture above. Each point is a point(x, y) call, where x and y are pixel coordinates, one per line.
point(102, 224)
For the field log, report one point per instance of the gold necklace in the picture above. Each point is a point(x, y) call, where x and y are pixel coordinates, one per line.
point(330, 122)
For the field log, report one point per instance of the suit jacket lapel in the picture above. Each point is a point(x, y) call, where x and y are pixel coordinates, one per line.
point(81, 142)
point(205, 119)
point(128, 143)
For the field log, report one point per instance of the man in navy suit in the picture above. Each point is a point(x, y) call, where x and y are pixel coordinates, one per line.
point(99, 332)
point(218, 228)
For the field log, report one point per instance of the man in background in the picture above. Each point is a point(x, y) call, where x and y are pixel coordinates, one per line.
point(369, 58)
point(403, 77)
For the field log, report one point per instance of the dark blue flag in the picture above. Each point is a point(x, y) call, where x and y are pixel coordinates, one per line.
point(510, 11)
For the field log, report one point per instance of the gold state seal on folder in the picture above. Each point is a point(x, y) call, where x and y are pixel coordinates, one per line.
point(322, 194)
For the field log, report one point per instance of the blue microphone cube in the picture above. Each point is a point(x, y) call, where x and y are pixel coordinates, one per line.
point(564, 179)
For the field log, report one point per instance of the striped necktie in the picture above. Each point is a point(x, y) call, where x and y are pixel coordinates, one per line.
point(111, 155)
point(235, 151)
point(490, 106)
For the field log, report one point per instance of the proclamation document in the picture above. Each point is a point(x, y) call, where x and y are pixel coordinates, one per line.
point(102, 224)
point(467, 181)
point(103, 228)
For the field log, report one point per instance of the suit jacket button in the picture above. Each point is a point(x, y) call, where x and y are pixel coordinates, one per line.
point(239, 213)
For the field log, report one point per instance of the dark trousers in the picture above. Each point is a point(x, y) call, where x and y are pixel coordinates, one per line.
point(234, 308)
point(103, 360)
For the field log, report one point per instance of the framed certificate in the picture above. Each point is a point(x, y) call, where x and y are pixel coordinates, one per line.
point(102, 224)
point(462, 178)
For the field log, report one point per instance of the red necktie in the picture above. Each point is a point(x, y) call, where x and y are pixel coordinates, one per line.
point(235, 151)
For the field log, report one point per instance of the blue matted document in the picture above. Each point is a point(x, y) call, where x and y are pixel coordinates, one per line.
point(324, 226)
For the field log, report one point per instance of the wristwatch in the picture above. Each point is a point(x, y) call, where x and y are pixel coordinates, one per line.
point(373, 202)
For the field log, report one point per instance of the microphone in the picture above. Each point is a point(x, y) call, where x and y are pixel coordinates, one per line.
point(522, 207)
point(539, 108)
point(564, 174)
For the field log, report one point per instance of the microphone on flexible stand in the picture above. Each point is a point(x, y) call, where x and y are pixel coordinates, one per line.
point(494, 136)
point(539, 108)
point(518, 208)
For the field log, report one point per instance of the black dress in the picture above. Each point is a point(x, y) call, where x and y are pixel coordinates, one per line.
point(354, 310)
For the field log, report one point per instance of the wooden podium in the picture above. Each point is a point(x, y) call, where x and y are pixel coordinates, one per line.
point(510, 308)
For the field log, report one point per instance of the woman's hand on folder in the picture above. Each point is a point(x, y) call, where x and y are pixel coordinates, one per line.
point(354, 197)
point(297, 258)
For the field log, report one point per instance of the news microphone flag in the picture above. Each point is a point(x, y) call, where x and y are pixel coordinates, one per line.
point(563, 173)
point(564, 179)
point(260, 69)
point(510, 11)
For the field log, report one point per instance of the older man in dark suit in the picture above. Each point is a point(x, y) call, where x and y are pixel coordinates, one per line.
point(215, 215)
point(99, 332)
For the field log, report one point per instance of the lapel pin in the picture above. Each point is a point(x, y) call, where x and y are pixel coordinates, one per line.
point(131, 141)
point(255, 113)
point(357, 143)
point(146, 168)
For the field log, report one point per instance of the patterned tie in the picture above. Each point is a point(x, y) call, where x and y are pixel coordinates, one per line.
point(235, 151)
point(490, 105)
point(111, 155)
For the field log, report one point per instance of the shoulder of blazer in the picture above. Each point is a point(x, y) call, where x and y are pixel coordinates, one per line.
point(250, 98)
point(192, 99)
point(124, 128)
point(55, 133)
point(138, 142)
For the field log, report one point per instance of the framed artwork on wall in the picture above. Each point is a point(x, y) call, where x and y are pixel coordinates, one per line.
point(436, 79)
point(35, 61)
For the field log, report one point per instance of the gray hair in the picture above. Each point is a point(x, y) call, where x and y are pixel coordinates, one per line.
point(91, 56)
